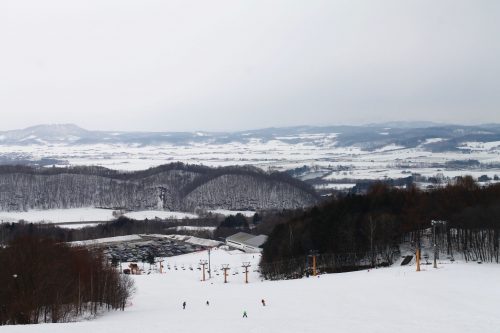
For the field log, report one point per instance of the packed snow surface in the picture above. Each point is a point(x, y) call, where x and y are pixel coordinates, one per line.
point(456, 298)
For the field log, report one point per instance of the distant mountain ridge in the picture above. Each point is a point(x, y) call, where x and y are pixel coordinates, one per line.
point(369, 137)
point(174, 187)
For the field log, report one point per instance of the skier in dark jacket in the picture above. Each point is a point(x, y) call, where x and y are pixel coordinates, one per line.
point(245, 314)
point(263, 302)
point(184, 305)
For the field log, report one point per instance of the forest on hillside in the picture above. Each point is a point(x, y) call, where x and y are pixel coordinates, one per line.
point(361, 228)
point(175, 187)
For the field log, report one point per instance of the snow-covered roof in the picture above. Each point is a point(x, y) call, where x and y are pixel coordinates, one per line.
point(257, 241)
point(247, 239)
point(139, 237)
point(240, 237)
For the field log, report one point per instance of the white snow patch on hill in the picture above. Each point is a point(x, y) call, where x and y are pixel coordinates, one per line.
point(432, 140)
point(59, 215)
point(225, 212)
point(390, 147)
point(87, 215)
point(161, 214)
point(480, 146)
point(194, 228)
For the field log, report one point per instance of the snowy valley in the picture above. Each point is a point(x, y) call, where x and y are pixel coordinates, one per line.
point(330, 158)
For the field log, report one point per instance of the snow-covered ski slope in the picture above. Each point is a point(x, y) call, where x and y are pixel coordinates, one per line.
point(458, 298)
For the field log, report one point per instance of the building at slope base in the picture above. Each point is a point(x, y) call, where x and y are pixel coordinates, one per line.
point(246, 242)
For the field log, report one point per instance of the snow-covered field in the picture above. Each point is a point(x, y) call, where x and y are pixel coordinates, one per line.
point(281, 153)
point(78, 216)
point(161, 214)
point(225, 212)
point(458, 298)
point(59, 215)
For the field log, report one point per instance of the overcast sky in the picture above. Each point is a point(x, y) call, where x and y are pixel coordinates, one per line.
point(232, 65)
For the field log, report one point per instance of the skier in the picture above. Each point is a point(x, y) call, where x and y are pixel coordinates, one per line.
point(245, 314)
point(208, 303)
point(184, 305)
point(263, 302)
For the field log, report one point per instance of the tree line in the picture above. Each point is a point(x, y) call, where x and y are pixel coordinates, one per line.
point(205, 173)
point(47, 281)
point(120, 227)
point(376, 223)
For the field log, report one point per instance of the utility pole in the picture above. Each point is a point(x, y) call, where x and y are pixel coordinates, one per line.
point(203, 263)
point(225, 268)
point(246, 265)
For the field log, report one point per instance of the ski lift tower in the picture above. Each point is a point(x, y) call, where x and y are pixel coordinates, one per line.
point(225, 268)
point(160, 261)
point(434, 224)
point(246, 265)
point(203, 263)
